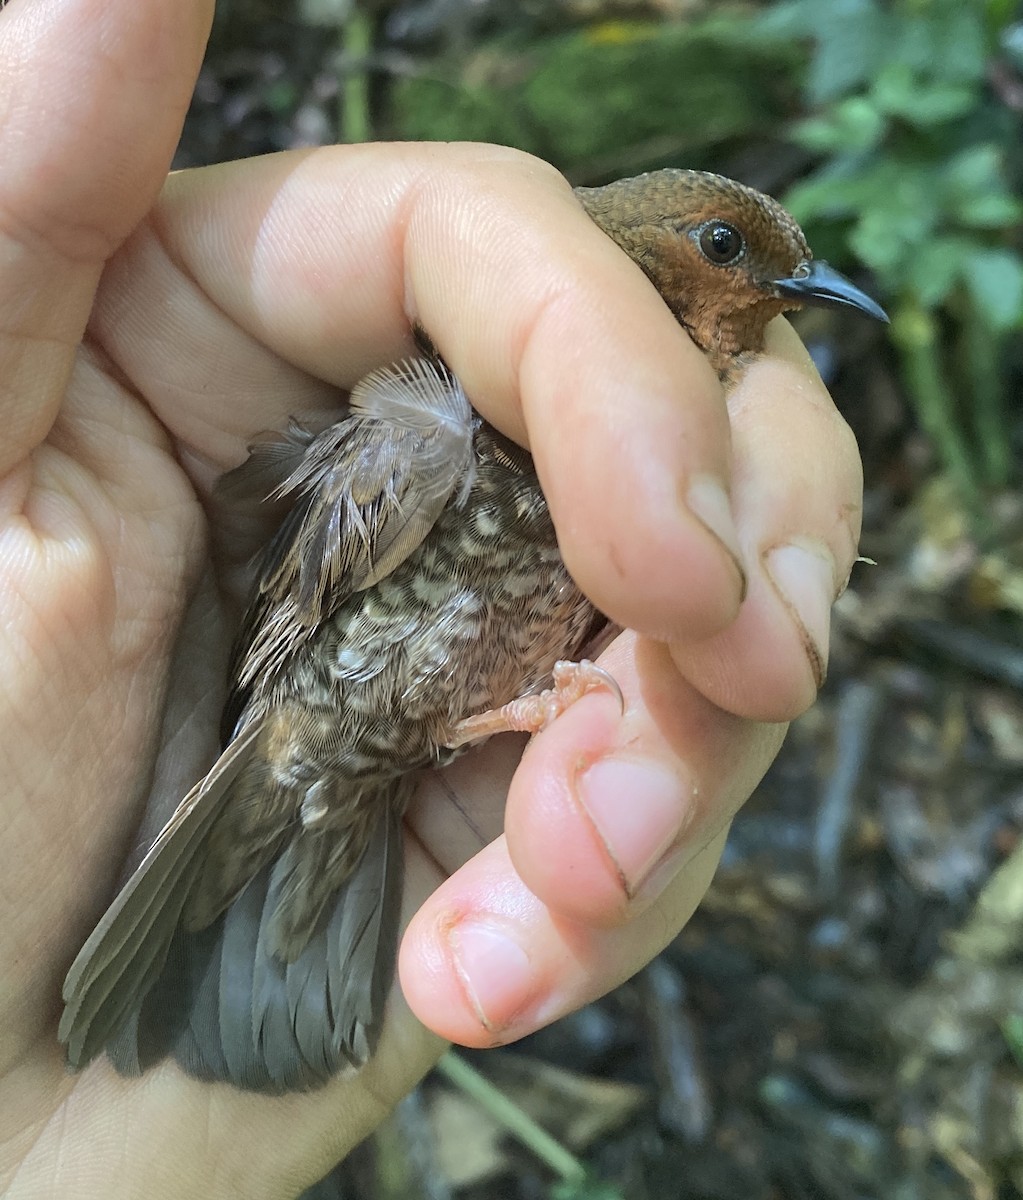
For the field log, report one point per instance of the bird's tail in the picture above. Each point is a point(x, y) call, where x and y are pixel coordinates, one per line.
point(220, 999)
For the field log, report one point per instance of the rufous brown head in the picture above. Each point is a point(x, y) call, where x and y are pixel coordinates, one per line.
point(725, 257)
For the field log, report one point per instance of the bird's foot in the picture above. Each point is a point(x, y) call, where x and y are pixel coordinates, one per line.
point(530, 714)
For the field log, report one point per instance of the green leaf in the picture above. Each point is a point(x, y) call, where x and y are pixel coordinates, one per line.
point(1011, 42)
point(1012, 1031)
point(825, 194)
point(943, 40)
point(936, 267)
point(958, 49)
point(995, 211)
point(995, 279)
point(852, 41)
point(853, 124)
point(281, 97)
point(976, 189)
point(897, 202)
point(793, 19)
point(975, 169)
point(330, 14)
point(900, 92)
point(886, 241)
point(842, 189)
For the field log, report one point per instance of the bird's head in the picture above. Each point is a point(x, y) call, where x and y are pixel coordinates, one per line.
point(726, 258)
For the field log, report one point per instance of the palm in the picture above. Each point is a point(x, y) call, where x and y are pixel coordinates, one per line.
point(101, 554)
point(124, 577)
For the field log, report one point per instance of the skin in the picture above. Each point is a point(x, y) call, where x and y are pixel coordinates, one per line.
point(253, 291)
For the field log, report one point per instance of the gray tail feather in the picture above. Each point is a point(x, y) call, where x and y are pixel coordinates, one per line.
point(127, 951)
point(228, 1009)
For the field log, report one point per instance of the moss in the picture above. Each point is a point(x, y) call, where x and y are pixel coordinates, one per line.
point(616, 93)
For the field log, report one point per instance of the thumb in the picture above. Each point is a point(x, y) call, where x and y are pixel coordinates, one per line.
point(92, 99)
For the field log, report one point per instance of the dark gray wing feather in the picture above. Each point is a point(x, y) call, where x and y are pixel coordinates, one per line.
point(129, 946)
point(238, 969)
point(228, 1008)
point(305, 985)
point(358, 974)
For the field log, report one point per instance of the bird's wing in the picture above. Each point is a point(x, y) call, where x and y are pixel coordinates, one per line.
point(273, 457)
point(366, 493)
point(229, 1007)
point(126, 951)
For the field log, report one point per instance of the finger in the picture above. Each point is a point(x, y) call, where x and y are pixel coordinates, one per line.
point(634, 462)
point(797, 491)
point(92, 98)
point(485, 962)
point(326, 257)
point(607, 823)
point(607, 808)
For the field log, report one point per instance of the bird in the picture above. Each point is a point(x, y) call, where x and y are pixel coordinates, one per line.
point(413, 601)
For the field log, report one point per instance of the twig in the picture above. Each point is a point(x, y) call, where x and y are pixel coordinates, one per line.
point(512, 1118)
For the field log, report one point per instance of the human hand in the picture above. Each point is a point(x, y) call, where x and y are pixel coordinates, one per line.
point(255, 291)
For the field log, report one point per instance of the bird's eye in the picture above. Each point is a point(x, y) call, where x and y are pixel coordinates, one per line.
point(721, 243)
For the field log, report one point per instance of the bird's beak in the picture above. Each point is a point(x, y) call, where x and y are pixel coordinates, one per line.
point(814, 282)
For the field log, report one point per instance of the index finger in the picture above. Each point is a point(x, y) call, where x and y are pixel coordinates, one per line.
point(326, 257)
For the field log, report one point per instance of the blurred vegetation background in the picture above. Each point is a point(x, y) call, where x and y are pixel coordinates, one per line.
point(843, 1019)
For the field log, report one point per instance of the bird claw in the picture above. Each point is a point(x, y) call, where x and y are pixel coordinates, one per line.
point(531, 714)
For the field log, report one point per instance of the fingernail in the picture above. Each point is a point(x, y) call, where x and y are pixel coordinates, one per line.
point(638, 810)
point(496, 973)
point(803, 574)
point(707, 499)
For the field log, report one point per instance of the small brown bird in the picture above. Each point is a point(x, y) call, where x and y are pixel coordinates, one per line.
point(412, 595)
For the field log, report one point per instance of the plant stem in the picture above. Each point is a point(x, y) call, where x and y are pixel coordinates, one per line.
point(512, 1118)
point(356, 44)
point(915, 333)
point(987, 407)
